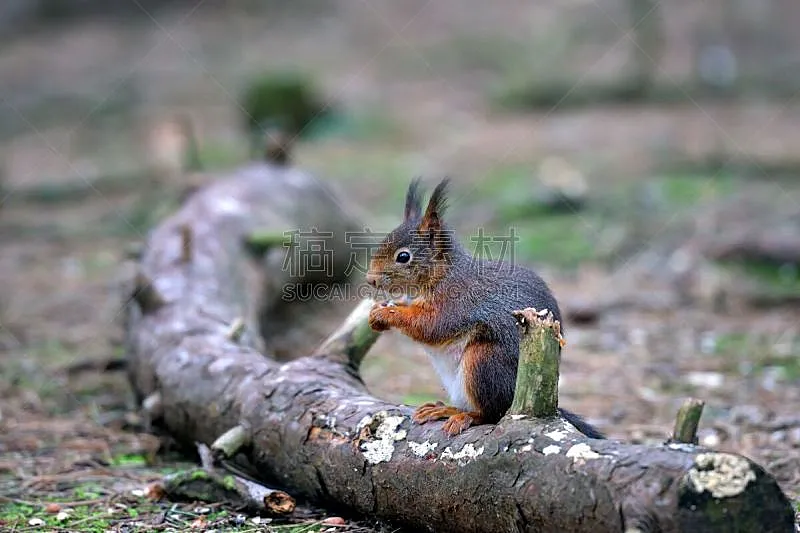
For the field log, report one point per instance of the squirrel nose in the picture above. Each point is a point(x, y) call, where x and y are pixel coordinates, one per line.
point(373, 279)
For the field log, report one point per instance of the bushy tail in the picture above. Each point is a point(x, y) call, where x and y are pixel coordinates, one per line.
point(582, 426)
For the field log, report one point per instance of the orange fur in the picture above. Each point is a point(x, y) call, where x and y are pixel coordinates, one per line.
point(457, 420)
point(413, 319)
point(433, 411)
point(476, 354)
point(461, 421)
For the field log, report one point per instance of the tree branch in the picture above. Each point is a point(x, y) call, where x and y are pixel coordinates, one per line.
point(351, 342)
point(316, 430)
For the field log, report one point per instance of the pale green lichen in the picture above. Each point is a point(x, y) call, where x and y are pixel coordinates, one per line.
point(386, 433)
point(463, 456)
point(364, 422)
point(421, 449)
point(389, 428)
point(582, 452)
point(724, 475)
point(551, 450)
point(557, 435)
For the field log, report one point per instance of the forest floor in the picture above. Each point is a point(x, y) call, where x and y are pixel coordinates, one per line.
point(651, 321)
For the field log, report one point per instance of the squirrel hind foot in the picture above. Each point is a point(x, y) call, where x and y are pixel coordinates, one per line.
point(457, 419)
point(460, 421)
point(432, 411)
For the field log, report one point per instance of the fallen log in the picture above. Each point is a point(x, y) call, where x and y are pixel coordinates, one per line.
point(310, 425)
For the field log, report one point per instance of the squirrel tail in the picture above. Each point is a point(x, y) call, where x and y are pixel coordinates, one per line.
point(582, 426)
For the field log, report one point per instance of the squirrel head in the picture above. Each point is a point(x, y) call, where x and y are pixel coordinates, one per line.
point(417, 254)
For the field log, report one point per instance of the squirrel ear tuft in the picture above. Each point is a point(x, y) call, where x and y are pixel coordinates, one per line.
point(413, 208)
point(438, 203)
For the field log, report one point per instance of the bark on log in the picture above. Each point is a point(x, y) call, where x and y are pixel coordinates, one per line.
point(316, 431)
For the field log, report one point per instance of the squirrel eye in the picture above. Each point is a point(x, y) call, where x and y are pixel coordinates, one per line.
point(403, 256)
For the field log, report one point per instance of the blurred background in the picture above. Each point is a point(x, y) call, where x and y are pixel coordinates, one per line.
point(646, 154)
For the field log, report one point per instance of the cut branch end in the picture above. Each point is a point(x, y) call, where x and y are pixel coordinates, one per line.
point(230, 442)
point(152, 405)
point(146, 294)
point(236, 329)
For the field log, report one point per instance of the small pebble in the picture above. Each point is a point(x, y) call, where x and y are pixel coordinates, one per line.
point(794, 436)
point(778, 436)
point(708, 342)
point(52, 508)
point(35, 522)
point(139, 493)
point(771, 376)
point(202, 510)
point(256, 520)
point(63, 515)
point(709, 380)
point(334, 521)
point(637, 337)
point(711, 440)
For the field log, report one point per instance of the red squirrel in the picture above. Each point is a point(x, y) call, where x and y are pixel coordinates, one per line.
point(460, 309)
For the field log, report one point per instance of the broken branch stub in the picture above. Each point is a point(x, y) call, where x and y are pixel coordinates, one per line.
point(230, 442)
point(536, 392)
point(317, 431)
point(687, 420)
point(186, 243)
point(146, 295)
point(236, 329)
point(351, 342)
point(259, 241)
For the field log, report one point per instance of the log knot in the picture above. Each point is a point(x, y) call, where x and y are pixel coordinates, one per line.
point(722, 474)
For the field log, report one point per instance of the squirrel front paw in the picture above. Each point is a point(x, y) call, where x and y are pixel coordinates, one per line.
point(380, 317)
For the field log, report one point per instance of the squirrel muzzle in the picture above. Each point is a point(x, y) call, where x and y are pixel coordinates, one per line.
point(375, 279)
